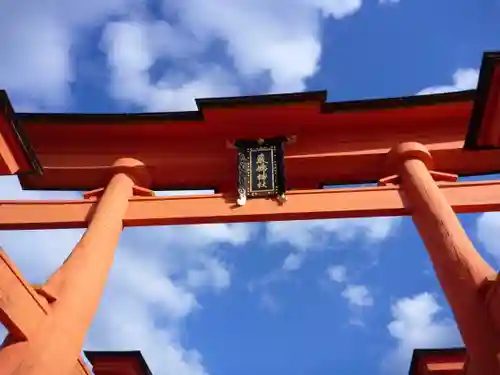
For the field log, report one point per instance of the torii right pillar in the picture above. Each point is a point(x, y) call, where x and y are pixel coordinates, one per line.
point(464, 275)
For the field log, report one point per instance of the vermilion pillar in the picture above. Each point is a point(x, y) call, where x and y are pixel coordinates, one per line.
point(76, 288)
point(459, 268)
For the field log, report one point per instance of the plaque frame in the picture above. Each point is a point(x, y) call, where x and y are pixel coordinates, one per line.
point(249, 152)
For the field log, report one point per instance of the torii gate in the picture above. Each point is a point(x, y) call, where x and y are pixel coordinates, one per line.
point(413, 146)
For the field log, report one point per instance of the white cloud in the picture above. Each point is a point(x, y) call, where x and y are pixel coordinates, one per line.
point(338, 9)
point(488, 226)
point(154, 283)
point(132, 51)
point(43, 38)
point(357, 295)
point(389, 1)
point(293, 261)
point(213, 273)
point(337, 273)
point(287, 31)
point(264, 36)
point(415, 325)
point(35, 45)
point(304, 235)
point(463, 79)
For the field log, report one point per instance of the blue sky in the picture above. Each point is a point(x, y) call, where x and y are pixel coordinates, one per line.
point(316, 297)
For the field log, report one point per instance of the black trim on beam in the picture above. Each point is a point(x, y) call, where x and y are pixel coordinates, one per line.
point(488, 64)
point(8, 111)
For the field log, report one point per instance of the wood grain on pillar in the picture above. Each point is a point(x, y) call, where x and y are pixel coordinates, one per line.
point(459, 268)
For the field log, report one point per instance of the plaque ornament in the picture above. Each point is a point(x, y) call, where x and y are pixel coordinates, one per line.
point(261, 169)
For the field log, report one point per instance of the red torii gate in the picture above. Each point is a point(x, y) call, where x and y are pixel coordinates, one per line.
point(414, 147)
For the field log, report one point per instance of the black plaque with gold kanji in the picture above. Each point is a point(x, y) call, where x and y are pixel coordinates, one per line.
point(261, 167)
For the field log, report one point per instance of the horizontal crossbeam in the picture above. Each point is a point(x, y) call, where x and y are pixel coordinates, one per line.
point(465, 197)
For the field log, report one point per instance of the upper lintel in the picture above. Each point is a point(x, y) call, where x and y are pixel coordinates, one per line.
point(337, 143)
point(75, 149)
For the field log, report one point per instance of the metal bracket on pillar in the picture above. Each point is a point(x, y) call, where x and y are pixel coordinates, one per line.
point(443, 177)
point(437, 176)
point(389, 180)
point(93, 194)
point(142, 192)
point(137, 191)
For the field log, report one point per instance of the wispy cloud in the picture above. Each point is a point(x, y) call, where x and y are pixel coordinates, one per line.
point(358, 296)
point(337, 273)
point(318, 235)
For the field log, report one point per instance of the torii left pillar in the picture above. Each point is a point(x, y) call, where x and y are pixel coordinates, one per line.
point(50, 343)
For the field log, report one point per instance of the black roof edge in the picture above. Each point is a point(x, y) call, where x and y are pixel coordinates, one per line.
point(19, 133)
point(400, 102)
point(489, 61)
point(92, 355)
point(268, 99)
